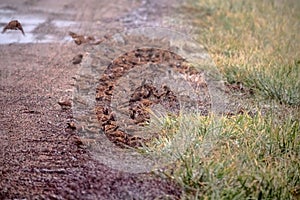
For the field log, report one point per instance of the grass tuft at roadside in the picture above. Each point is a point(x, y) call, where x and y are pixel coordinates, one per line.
point(239, 157)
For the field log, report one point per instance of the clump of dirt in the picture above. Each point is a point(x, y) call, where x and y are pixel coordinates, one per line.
point(143, 97)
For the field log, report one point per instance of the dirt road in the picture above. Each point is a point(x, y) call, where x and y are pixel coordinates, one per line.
point(40, 154)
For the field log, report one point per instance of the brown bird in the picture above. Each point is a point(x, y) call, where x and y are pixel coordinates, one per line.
point(78, 39)
point(77, 59)
point(14, 25)
point(81, 39)
point(65, 104)
point(71, 125)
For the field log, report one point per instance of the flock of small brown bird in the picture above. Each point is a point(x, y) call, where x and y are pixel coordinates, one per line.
point(78, 39)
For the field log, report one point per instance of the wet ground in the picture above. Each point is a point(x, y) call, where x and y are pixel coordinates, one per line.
point(76, 150)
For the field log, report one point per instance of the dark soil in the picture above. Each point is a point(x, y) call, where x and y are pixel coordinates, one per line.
point(144, 96)
point(41, 156)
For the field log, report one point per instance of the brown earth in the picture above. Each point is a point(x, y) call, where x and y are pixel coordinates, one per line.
point(41, 156)
point(143, 97)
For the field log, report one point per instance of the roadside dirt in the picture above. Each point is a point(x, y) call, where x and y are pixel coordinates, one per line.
point(143, 97)
point(40, 154)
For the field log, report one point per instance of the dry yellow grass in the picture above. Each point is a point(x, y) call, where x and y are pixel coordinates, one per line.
point(255, 43)
point(252, 42)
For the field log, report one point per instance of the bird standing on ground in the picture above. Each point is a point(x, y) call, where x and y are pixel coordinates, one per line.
point(77, 59)
point(14, 25)
point(81, 39)
point(78, 39)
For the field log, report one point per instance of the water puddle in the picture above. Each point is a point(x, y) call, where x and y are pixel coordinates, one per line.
point(37, 29)
point(6, 10)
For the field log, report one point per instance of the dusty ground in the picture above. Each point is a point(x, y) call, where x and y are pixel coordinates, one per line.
point(41, 157)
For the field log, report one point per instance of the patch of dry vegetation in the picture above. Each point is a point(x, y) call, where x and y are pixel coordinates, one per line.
point(254, 43)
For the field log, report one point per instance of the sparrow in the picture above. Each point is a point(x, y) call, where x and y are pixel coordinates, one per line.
point(81, 39)
point(13, 25)
point(78, 39)
point(71, 125)
point(65, 104)
point(77, 59)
